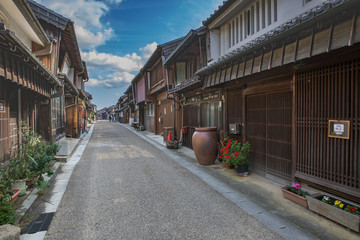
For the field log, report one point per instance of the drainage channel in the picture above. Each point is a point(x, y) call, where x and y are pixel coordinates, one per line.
point(40, 223)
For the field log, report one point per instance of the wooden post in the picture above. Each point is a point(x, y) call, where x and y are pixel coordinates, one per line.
point(293, 127)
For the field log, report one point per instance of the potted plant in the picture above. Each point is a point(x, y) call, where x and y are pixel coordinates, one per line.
point(336, 209)
point(17, 171)
point(240, 160)
point(31, 162)
point(295, 194)
point(236, 154)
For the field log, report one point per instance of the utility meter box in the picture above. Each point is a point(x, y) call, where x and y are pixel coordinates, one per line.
point(235, 128)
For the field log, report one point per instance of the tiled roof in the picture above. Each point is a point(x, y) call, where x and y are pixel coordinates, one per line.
point(221, 9)
point(194, 82)
point(48, 15)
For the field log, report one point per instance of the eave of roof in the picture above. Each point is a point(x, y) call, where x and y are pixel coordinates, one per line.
point(287, 28)
point(187, 39)
point(28, 14)
point(85, 72)
point(221, 9)
point(71, 44)
point(10, 36)
point(68, 83)
point(66, 25)
point(188, 85)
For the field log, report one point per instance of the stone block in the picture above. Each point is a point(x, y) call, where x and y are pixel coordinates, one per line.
point(9, 232)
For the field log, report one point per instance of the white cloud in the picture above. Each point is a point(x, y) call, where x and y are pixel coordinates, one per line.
point(148, 50)
point(89, 40)
point(129, 62)
point(115, 80)
point(114, 1)
point(86, 15)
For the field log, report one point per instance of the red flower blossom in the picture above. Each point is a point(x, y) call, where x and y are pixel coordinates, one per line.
point(227, 151)
point(236, 157)
point(244, 139)
point(235, 153)
point(229, 140)
point(228, 145)
point(222, 150)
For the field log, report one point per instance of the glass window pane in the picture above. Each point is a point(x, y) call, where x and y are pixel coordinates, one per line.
point(180, 72)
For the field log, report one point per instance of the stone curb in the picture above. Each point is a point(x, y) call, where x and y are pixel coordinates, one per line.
point(9, 232)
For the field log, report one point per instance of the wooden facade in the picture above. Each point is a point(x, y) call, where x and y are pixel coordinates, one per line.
point(26, 87)
point(68, 112)
point(286, 86)
point(194, 107)
point(154, 109)
point(329, 92)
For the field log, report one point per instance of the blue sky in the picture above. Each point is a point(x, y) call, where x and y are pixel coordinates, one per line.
point(116, 37)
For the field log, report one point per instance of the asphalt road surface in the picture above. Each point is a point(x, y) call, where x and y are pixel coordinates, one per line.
point(125, 188)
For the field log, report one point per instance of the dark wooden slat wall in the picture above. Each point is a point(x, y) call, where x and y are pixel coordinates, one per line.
point(269, 130)
point(323, 94)
point(21, 73)
point(191, 121)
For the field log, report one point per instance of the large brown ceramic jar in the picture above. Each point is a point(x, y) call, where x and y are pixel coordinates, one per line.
point(204, 142)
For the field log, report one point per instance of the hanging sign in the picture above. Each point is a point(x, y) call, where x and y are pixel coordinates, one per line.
point(339, 129)
point(2, 106)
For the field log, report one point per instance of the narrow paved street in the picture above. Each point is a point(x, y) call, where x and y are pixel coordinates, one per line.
point(124, 188)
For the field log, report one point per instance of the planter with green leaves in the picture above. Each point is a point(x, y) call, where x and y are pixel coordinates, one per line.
point(236, 154)
point(31, 161)
point(295, 194)
point(336, 209)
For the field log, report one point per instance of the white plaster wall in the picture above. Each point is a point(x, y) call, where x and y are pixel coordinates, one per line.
point(286, 10)
point(12, 25)
point(214, 44)
point(18, 24)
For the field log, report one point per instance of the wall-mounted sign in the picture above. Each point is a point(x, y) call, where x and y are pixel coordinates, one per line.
point(2, 106)
point(339, 129)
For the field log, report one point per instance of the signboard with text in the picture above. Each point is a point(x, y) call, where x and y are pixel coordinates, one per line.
point(339, 129)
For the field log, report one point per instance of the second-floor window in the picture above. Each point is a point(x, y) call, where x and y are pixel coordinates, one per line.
point(253, 19)
point(180, 69)
point(156, 75)
point(150, 109)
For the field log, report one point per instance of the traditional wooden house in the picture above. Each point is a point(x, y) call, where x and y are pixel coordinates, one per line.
point(129, 106)
point(138, 85)
point(27, 86)
point(291, 84)
point(103, 114)
point(195, 107)
point(120, 107)
point(158, 108)
point(63, 57)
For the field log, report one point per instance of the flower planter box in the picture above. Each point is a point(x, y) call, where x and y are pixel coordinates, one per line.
point(295, 198)
point(338, 215)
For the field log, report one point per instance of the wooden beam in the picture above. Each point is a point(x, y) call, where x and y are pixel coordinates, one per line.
point(330, 37)
point(351, 38)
